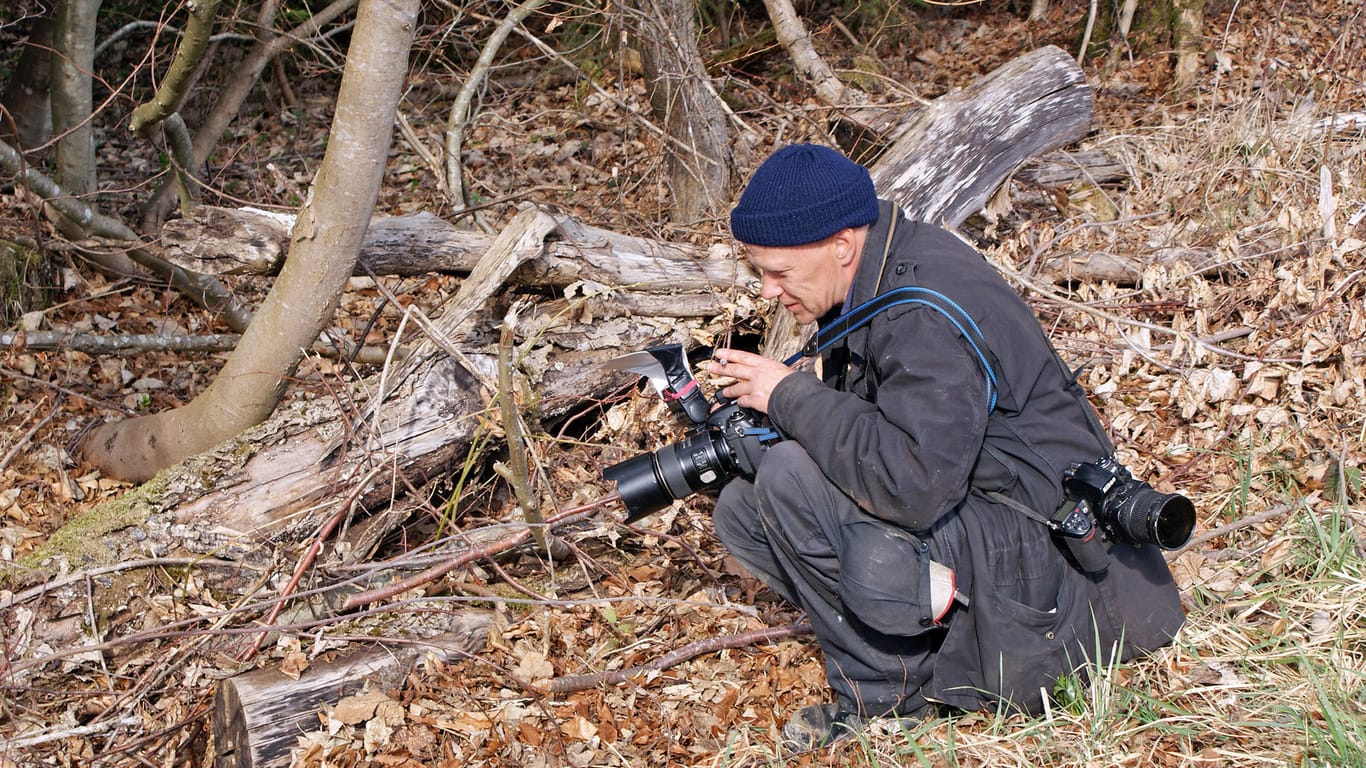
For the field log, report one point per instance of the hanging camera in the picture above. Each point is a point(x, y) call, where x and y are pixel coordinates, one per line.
point(728, 440)
point(1104, 494)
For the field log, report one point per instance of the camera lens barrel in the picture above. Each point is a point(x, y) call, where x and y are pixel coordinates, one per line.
point(651, 481)
point(1147, 516)
point(638, 482)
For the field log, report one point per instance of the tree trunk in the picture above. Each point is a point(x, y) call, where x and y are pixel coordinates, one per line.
point(323, 255)
point(26, 96)
point(683, 98)
point(1190, 51)
point(73, 40)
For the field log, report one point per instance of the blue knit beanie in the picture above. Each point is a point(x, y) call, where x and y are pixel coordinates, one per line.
point(801, 194)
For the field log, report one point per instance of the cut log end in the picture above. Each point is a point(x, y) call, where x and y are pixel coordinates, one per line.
point(260, 715)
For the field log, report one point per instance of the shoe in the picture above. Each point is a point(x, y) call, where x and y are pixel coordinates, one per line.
point(816, 726)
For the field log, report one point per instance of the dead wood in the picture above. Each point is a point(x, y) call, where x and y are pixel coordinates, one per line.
point(1064, 169)
point(949, 159)
point(259, 715)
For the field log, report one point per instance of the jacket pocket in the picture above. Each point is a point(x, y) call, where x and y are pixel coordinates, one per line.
point(887, 581)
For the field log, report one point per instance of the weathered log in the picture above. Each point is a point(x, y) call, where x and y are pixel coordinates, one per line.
point(1063, 169)
point(945, 163)
point(250, 241)
point(948, 161)
point(259, 715)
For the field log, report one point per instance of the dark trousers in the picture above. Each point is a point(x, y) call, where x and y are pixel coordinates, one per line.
point(788, 528)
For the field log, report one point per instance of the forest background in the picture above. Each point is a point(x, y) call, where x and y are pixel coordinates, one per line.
point(1227, 362)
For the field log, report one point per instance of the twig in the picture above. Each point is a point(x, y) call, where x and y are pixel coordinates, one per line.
point(310, 555)
point(573, 683)
point(23, 441)
point(518, 474)
point(460, 110)
point(1246, 522)
point(10, 746)
point(468, 556)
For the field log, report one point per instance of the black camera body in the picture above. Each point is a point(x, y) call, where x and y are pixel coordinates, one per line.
point(728, 440)
point(1104, 498)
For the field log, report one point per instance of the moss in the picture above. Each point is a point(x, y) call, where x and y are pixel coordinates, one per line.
point(83, 541)
point(27, 281)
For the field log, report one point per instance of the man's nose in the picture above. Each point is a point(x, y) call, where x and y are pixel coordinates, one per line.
point(769, 289)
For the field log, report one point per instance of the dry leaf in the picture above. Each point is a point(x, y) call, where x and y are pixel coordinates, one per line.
point(293, 665)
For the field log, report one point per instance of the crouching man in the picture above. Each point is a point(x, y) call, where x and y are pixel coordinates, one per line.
point(918, 506)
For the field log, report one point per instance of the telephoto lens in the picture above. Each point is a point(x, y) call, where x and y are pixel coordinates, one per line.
point(650, 482)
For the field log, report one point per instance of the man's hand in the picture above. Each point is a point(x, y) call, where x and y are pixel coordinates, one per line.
point(755, 375)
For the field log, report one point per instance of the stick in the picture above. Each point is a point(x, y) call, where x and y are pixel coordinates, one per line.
point(1245, 522)
point(468, 556)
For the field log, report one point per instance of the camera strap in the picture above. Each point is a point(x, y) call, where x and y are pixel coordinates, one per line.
point(861, 315)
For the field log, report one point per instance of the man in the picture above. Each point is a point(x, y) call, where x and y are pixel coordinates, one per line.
point(906, 508)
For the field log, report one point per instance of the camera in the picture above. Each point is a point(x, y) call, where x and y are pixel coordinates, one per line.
point(727, 440)
point(1103, 494)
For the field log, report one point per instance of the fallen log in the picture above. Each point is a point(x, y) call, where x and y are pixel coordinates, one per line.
point(944, 163)
point(259, 715)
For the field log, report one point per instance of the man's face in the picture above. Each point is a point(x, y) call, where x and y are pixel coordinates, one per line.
point(808, 280)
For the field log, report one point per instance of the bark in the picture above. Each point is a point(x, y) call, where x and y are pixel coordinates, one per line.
point(1190, 52)
point(26, 96)
point(684, 100)
point(323, 254)
point(73, 42)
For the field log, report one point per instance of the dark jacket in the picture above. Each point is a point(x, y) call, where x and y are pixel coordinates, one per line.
point(918, 447)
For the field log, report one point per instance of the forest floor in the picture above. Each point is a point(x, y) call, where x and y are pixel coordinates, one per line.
point(1242, 386)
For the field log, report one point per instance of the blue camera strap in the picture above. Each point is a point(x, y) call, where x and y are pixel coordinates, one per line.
point(861, 315)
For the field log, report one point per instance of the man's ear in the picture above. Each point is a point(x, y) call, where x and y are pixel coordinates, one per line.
point(846, 246)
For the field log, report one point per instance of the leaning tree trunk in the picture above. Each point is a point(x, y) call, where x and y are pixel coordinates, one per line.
point(685, 101)
point(276, 484)
point(323, 254)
